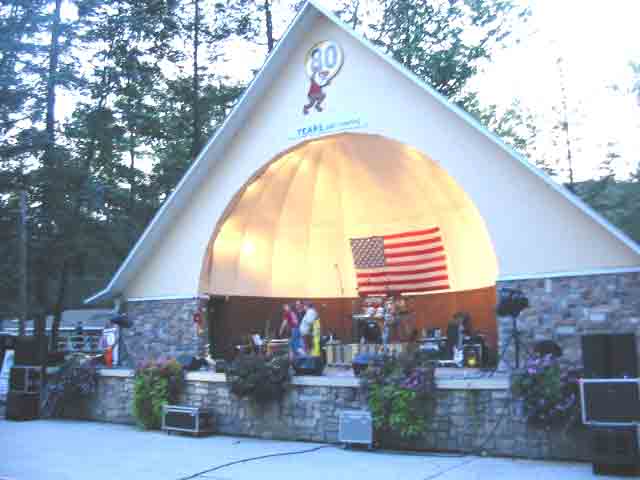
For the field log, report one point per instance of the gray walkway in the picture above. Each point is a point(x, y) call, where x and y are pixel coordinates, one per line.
point(65, 450)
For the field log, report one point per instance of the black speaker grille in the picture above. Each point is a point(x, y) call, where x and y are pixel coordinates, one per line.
point(611, 402)
point(186, 420)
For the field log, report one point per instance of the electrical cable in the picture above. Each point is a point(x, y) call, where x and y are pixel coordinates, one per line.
point(252, 459)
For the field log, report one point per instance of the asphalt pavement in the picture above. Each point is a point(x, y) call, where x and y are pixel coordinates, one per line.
point(70, 450)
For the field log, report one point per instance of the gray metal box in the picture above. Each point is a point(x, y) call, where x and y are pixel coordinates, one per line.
point(355, 426)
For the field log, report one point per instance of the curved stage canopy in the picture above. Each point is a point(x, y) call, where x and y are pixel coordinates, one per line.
point(288, 231)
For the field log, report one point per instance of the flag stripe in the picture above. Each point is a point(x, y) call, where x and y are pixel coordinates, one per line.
point(413, 243)
point(405, 286)
point(407, 290)
point(409, 261)
point(409, 280)
point(428, 231)
point(413, 253)
point(387, 273)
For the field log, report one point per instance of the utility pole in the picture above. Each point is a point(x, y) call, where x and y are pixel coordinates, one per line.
point(24, 299)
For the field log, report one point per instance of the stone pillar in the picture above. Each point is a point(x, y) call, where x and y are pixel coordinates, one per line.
point(563, 309)
point(162, 329)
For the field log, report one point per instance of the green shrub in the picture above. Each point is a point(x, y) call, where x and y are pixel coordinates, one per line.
point(263, 378)
point(398, 394)
point(156, 385)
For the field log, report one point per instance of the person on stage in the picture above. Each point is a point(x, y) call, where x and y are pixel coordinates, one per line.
point(290, 321)
point(306, 326)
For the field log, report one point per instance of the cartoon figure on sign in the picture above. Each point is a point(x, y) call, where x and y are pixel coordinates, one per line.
point(322, 63)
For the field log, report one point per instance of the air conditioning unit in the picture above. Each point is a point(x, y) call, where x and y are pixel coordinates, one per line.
point(179, 418)
point(355, 427)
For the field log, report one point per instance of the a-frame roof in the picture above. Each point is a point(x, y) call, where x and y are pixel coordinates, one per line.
point(263, 81)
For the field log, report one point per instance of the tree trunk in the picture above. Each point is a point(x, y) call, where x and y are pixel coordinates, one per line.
point(196, 141)
point(52, 81)
point(59, 305)
point(269, 23)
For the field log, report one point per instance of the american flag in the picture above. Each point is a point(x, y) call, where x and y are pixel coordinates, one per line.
point(403, 262)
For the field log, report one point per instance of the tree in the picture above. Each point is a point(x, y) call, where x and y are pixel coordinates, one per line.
point(443, 41)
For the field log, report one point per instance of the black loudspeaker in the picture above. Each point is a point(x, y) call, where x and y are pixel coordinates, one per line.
point(308, 365)
point(189, 362)
point(25, 379)
point(615, 451)
point(22, 406)
point(30, 350)
point(511, 302)
point(610, 402)
point(610, 356)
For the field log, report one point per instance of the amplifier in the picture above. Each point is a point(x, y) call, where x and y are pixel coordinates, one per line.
point(610, 402)
point(180, 418)
point(22, 406)
point(355, 426)
point(25, 379)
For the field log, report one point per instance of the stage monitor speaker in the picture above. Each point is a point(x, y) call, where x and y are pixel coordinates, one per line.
point(610, 356)
point(308, 365)
point(22, 406)
point(25, 379)
point(615, 451)
point(181, 418)
point(610, 402)
point(31, 350)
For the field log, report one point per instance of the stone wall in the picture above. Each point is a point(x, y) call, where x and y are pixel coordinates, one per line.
point(471, 420)
point(563, 309)
point(162, 329)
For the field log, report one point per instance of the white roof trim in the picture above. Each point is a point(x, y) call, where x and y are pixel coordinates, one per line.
point(229, 127)
point(585, 273)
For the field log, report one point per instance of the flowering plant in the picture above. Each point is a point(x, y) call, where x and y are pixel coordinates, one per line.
point(548, 391)
point(263, 377)
point(398, 390)
point(155, 385)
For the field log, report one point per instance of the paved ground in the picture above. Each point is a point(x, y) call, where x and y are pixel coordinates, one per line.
point(66, 450)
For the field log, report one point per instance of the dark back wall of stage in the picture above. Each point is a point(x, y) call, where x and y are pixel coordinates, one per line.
point(232, 320)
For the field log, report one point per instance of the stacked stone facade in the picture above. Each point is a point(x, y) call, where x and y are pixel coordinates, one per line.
point(563, 309)
point(460, 420)
point(162, 329)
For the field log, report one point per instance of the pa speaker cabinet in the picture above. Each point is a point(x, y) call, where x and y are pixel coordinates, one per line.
point(25, 379)
point(196, 420)
point(31, 350)
point(615, 451)
point(22, 406)
point(610, 356)
point(355, 426)
point(610, 402)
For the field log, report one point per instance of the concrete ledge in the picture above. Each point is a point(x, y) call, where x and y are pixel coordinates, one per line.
point(446, 379)
point(116, 372)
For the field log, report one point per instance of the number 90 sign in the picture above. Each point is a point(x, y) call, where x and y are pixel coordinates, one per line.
point(323, 61)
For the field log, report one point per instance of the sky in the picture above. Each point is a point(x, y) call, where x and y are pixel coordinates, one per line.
point(597, 39)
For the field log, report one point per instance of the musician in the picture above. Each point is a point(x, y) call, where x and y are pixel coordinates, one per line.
point(307, 326)
point(290, 321)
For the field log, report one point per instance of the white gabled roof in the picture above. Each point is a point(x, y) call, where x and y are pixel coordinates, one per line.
point(241, 112)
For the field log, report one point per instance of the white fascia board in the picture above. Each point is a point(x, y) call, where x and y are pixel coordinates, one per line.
point(209, 154)
point(582, 273)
